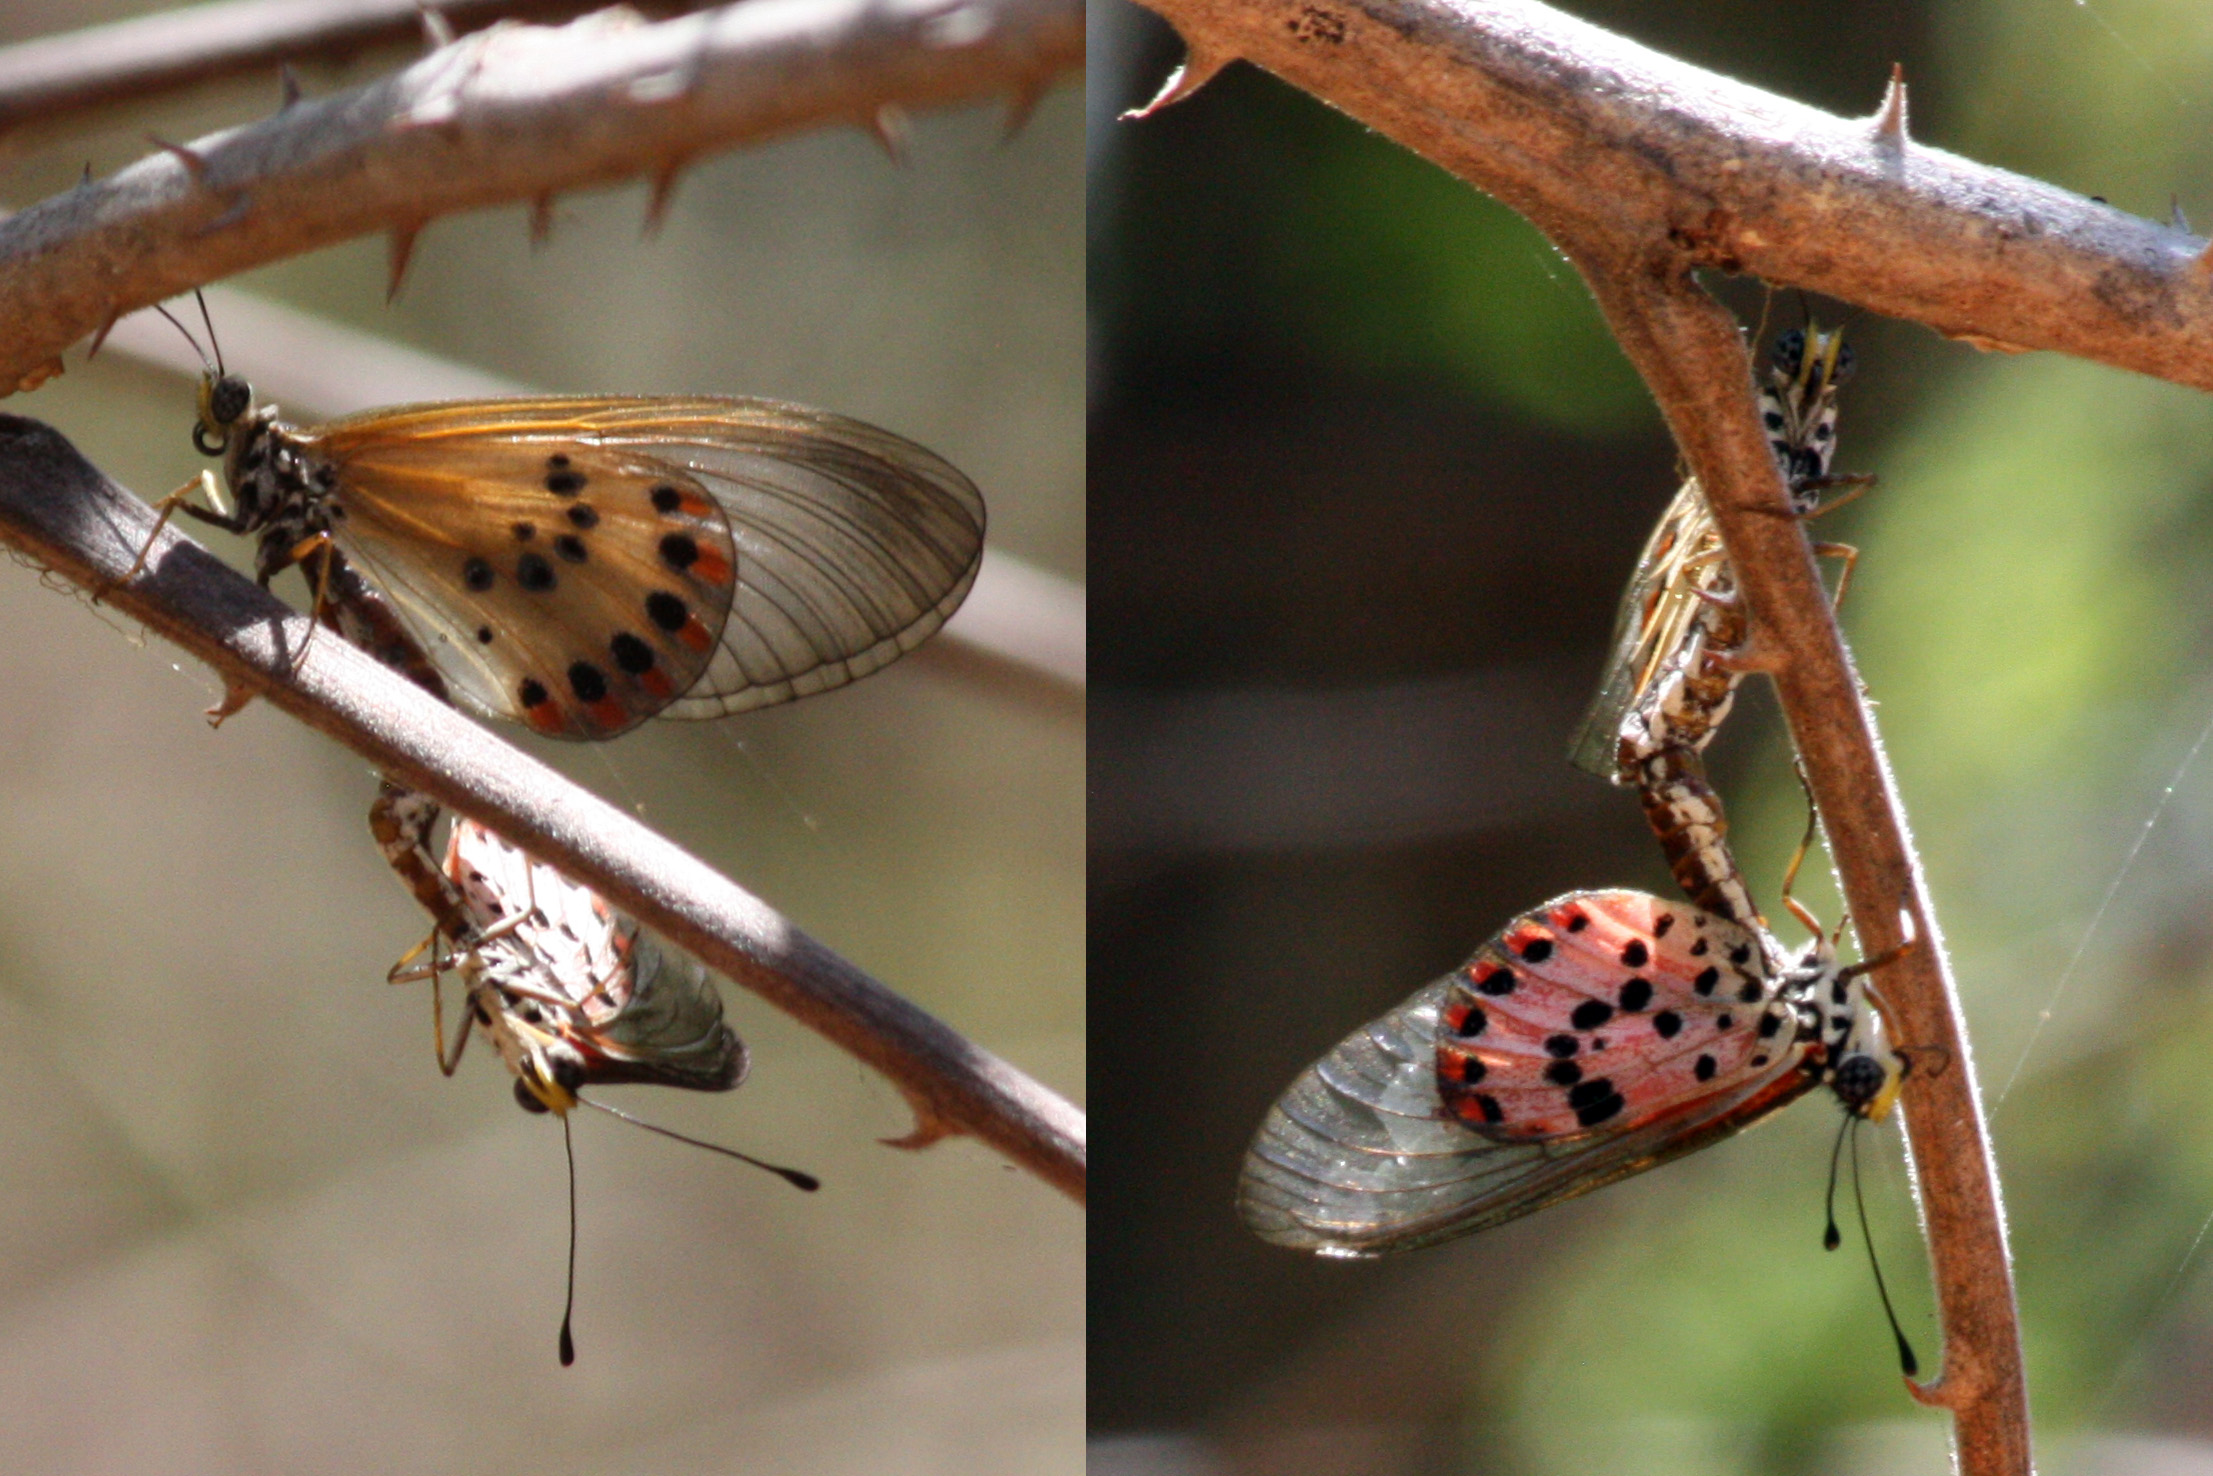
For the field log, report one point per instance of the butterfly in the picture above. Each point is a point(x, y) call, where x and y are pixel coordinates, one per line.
point(1592, 1038)
point(580, 564)
point(1665, 682)
point(570, 991)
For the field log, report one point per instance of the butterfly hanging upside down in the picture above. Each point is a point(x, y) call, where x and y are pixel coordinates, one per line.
point(582, 564)
point(1598, 1036)
point(569, 990)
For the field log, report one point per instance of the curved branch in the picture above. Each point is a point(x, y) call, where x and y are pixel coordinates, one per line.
point(513, 113)
point(60, 511)
point(1691, 352)
point(1594, 137)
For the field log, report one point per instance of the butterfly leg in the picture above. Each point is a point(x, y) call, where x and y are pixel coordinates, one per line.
point(449, 1064)
point(315, 554)
point(222, 517)
point(1849, 555)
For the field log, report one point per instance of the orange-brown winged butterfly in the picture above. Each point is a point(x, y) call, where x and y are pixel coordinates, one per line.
point(582, 563)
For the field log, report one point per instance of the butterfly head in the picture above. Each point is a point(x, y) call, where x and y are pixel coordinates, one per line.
point(546, 1078)
point(225, 401)
point(1798, 405)
point(1863, 1071)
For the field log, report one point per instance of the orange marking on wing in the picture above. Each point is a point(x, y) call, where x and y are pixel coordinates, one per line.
point(695, 634)
point(546, 718)
point(656, 683)
point(710, 568)
point(608, 713)
point(694, 505)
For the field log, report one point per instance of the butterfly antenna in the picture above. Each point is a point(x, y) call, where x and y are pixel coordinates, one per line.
point(175, 323)
point(1831, 1237)
point(1907, 1363)
point(568, 1308)
point(208, 318)
point(794, 1177)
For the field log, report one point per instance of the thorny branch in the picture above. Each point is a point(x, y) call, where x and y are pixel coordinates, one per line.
point(512, 113)
point(55, 78)
point(59, 510)
point(1641, 168)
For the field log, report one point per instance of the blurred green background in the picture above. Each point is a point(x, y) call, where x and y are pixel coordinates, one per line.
point(245, 1224)
point(1367, 475)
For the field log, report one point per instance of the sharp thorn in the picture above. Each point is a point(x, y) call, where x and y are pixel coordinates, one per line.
point(891, 129)
point(288, 86)
point(2175, 217)
point(1199, 68)
point(194, 164)
point(930, 1126)
point(1021, 106)
point(101, 337)
point(1890, 118)
point(85, 178)
point(541, 219)
point(664, 190)
point(402, 247)
point(437, 30)
point(235, 697)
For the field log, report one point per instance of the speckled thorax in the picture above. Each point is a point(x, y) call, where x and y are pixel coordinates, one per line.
point(281, 486)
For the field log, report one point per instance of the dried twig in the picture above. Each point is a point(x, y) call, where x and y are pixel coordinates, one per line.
point(513, 113)
point(60, 511)
point(1641, 168)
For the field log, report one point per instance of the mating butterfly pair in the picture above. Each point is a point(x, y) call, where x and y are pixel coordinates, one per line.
point(1605, 1032)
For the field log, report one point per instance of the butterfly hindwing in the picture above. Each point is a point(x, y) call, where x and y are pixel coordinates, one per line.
point(583, 564)
point(1359, 1158)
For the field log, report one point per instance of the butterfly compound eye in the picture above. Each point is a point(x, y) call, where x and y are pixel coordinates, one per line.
point(1789, 352)
point(229, 400)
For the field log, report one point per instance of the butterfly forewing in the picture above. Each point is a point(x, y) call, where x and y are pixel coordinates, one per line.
point(1606, 1008)
point(635, 1011)
point(1363, 1156)
point(583, 564)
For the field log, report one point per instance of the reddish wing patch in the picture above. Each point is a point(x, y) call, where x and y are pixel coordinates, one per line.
point(1601, 1011)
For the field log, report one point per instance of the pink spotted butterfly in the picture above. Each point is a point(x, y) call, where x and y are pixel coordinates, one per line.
point(582, 564)
point(570, 991)
point(1593, 1038)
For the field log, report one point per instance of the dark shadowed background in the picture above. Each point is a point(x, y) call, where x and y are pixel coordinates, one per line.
point(1367, 475)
